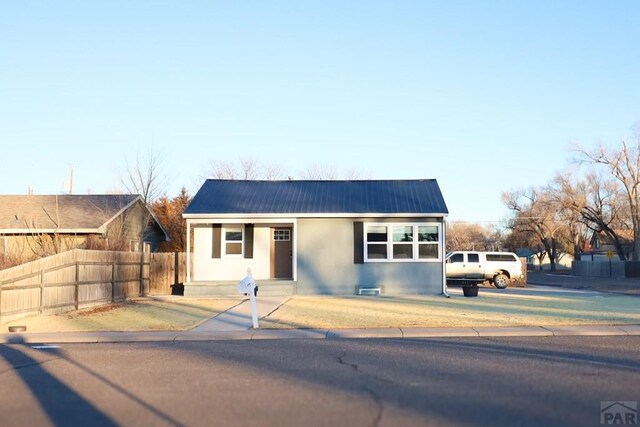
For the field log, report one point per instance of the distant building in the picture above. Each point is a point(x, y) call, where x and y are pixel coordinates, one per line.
point(600, 244)
point(32, 226)
point(563, 260)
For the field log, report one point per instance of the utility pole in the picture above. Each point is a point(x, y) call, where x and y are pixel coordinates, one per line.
point(71, 178)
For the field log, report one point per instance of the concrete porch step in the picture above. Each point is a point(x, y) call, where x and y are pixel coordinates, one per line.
point(265, 288)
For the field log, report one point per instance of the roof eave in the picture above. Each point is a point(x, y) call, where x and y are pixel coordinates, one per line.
point(50, 231)
point(317, 215)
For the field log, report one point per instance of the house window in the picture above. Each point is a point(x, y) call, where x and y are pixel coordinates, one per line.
point(428, 241)
point(281, 234)
point(233, 240)
point(402, 242)
point(376, 242)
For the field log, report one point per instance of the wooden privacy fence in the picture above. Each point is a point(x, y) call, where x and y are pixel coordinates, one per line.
point(167, 269)
point(81, 279)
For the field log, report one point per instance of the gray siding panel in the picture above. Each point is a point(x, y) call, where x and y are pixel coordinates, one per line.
point(325, 263)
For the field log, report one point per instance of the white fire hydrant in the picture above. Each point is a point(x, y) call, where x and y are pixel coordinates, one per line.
point(247, 286)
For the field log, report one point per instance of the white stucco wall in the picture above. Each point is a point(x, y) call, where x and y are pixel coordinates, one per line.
point(233, 267)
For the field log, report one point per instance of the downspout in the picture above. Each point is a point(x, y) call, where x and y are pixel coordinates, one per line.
point(444, 260)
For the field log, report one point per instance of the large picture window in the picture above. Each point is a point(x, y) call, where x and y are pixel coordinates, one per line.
point(402, 242)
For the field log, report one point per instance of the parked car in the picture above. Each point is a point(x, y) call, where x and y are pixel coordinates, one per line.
point(476, 267)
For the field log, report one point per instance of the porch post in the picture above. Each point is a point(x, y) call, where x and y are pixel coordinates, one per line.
point(295, 250)
point(188, 278)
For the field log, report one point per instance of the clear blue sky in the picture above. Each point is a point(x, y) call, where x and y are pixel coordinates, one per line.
point(484, 96)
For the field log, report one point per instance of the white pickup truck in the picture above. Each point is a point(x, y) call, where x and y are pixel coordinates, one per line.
point(476, 267)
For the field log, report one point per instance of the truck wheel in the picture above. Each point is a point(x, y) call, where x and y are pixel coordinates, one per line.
point(501, 281)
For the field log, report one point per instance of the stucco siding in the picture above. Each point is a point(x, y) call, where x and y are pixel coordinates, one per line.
point(207, 268)
point(326, 263)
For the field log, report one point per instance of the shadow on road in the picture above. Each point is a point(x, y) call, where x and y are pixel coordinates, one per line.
point(62, 404)
point(54, 397)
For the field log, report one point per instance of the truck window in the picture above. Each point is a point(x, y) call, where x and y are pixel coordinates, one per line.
point(456, 258)
point(473, 257)
point(501, 257)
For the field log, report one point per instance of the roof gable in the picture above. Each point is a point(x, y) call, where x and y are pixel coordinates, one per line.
point(318, 197)
point(61, 212)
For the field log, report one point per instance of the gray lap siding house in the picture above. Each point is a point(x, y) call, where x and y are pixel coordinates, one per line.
point(321, 237)
point(336, 265)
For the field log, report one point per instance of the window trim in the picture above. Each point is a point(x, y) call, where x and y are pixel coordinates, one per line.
point(416, 243)
point(223, 240)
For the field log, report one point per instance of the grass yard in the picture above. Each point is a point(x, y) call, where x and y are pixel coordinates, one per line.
point(517, 307)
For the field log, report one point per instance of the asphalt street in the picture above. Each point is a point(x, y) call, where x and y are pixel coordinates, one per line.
point(534, 381)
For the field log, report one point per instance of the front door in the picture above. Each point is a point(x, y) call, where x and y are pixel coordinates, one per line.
point(281, 253)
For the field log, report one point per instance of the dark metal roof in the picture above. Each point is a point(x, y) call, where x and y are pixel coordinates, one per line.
point(318, 197)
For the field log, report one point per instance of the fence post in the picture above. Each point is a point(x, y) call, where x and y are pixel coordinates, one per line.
point(141, 273)
point(41, 309)
point(176, 267)
point(77, 296)
point(113, 280)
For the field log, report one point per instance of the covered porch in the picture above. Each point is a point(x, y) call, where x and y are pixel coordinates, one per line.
point(229, 248)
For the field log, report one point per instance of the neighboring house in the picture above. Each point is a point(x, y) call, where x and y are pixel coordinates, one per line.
point(563, 261)
point(600, 244)
point(318, 237)
point(33, 226)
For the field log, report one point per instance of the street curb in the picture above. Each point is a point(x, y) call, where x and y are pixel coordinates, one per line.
point(278, 334)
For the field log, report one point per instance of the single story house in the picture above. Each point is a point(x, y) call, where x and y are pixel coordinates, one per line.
point(317, 237)
point(602, 244)
point(39, 225)
point(564, 260)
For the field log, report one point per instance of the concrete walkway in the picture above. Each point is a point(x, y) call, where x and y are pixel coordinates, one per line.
point(238, 318)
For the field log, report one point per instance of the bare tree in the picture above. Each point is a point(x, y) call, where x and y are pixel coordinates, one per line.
point(320, 172)
point(317, 171)
point(594, 203)
point(250, 169)
point(624, 165)
point(537, 213)
point(146, 179)
point(46, 244)
point(145, 176)
point(244, 169)
point(472, 237)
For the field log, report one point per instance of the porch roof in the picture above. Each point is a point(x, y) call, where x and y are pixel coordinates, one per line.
point(393, 197)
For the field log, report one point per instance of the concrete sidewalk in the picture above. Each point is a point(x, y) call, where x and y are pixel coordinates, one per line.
point(260, 334)
point(629, 286)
